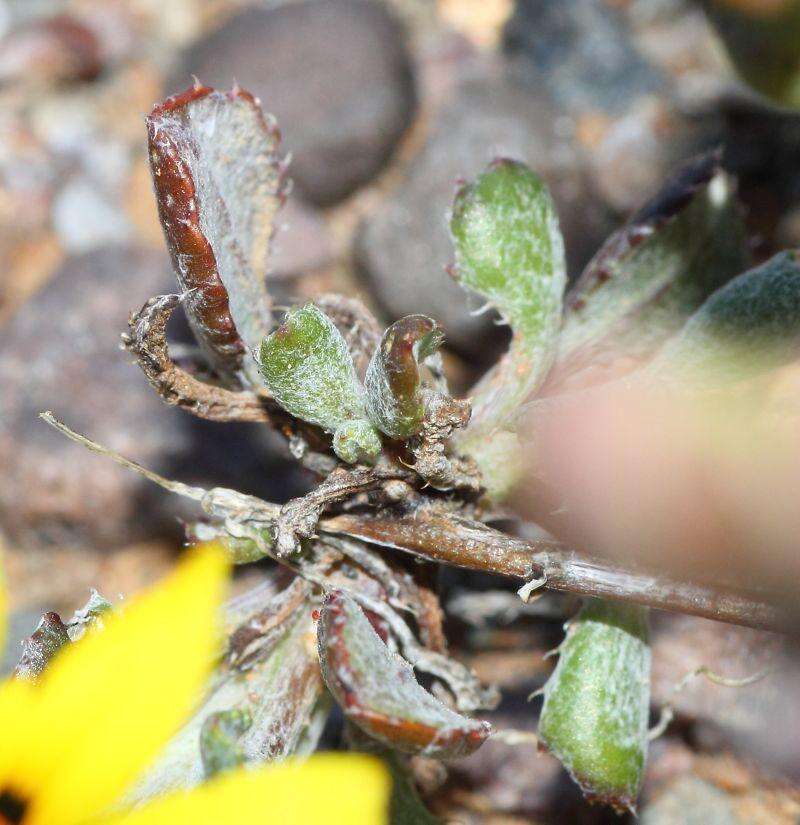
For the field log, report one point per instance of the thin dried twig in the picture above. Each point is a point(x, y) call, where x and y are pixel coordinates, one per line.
point(298, 518)
point(445, 537)
point(219, 502)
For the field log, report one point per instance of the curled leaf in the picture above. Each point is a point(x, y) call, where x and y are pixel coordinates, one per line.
point(147, 341)
point(219, 182)
point(596, 703)
point(378, 692)
point(509, 249)
point(395, 399)
point(749, 325)
point(310, 372)
point(650, 275)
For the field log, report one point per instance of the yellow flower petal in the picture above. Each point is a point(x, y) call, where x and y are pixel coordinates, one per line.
point(19, 753)
point(109, 703)
point(331, 788)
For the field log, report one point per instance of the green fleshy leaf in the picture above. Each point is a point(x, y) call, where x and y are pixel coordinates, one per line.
point(308, 368)
point(310, 372)
point(596, 703)
point(761, 39)
point(650, 276)
point(356, 441)
point(509, 248)
point(395, 398)
point(748, 326)
point(240, 549)
point(219, 740)
point(406, 807)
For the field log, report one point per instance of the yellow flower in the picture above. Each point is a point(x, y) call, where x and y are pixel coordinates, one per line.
point(74, 741)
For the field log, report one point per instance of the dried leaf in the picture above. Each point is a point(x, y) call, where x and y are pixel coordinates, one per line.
point(435, 460)
point(147, 340)
point(298, 517)
point(378, 692)
point(219, 182)
point(310, 372)
point(395, 398)
point(596, 703)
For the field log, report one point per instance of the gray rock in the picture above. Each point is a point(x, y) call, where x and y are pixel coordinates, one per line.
point(585, 55)
point(691, 801)
point(84, 219)
point(404, 244)
point(335, 73)
point(582, 52)
point(301, 243)
point(61, 352)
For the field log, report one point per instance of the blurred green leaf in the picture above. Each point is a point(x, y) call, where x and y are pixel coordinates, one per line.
point(762, 38)
point(406, 808)
point(651, 275)
point(748, 326)
point(219, 740)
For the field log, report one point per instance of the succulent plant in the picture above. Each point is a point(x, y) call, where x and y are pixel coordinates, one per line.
point(597, 702)
point(402, 465)
point(761, 40)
